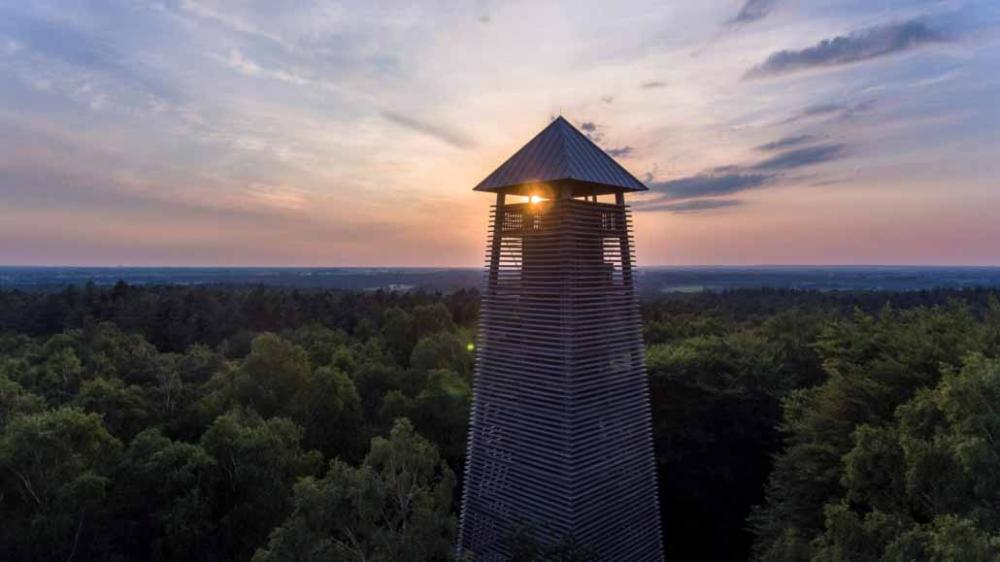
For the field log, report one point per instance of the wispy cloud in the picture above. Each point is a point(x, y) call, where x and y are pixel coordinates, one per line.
point(592, 131)
point(239, 62)
point(228, 20)
point(800, 157)
point(835, 110)
point(786, 142)
point(438, 132)
point(861, 45)
point(752, 10)
point(281, 197)
point(691, 206)
point(709, 184)
point(822, 109)
point(700, 192)
point(62, 42)
point(59, 41)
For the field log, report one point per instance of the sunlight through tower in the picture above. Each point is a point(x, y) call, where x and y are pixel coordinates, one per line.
point(560, 439)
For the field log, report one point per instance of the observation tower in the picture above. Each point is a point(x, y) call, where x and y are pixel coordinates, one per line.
point(560, 438)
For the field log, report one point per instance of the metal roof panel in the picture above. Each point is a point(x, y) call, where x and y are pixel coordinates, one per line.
point(560, 153)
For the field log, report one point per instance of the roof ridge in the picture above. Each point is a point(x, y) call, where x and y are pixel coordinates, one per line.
point(567, 162)
point(564, 132)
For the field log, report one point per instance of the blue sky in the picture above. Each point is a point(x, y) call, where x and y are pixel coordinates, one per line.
point(309, 133)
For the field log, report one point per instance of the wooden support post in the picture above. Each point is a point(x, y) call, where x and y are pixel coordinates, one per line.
point(497, 241)
point(623, 241)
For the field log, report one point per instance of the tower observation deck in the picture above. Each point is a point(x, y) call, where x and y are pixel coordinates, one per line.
point(560, 438)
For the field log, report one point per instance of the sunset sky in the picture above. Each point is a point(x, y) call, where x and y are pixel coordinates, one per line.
point(194, 132)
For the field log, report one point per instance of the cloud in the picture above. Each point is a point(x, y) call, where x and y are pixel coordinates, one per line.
point(801, 157)
point(590, 129)
point(859, 107)
point(691, 206)
point(652, 85)
point(72, 46)
point(623, 152)
point(593, 132)
point(786, 142)
point(440, 133)
point(726, 180)
point(752, 10)
point(710, 184)
point(228, 20)
point(822, 109)
point(110, 190)
point(700, 192)
point(861, 45)
point(59, 42)
point(837, 110)
point(277, 196)
point(240, 63)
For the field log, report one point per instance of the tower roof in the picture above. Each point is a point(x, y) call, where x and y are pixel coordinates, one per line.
point(560, 155)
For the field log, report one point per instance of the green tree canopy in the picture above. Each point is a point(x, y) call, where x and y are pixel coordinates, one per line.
point(162, 494)
point(257, 462)
point(395, 507)
point(123, 408)
point(874, 365)
point(274, 372)
point(15, 400)
point(332, 415)
point(54, 468)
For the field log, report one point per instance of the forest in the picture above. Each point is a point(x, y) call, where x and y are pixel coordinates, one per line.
point(217, 423)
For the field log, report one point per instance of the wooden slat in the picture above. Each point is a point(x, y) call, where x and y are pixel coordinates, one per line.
point(561, 434)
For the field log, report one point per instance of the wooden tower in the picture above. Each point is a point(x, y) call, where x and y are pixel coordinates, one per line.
point(560, 438)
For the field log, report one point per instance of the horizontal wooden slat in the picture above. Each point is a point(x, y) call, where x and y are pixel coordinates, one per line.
point(561, 434)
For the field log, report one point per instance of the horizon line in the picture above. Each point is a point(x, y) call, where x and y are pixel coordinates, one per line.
point(471, 267)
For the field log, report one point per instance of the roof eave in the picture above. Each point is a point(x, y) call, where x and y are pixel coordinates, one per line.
point(547, 187)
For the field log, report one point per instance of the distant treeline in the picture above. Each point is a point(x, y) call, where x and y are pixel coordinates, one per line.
point(239, 423)
point(173, 317)
point(650, 280)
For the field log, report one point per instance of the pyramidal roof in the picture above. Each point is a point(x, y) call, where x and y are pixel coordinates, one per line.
point(560, 153)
